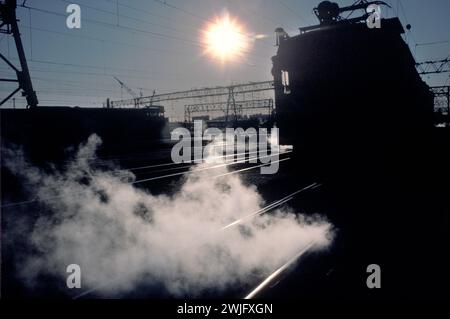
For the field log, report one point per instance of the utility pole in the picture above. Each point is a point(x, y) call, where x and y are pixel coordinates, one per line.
point(231, 102)
point(8, 25)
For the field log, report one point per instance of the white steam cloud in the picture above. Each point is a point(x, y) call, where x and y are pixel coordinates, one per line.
point(123, 237)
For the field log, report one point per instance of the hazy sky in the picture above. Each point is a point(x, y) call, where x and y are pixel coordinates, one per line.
point(152, 45)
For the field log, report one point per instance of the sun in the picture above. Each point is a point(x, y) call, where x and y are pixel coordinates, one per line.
point(225, 39)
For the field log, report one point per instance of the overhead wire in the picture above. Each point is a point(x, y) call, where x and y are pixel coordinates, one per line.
point(122, 27)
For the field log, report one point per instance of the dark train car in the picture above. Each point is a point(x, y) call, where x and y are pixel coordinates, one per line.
point(346, 93)
point(47, 132)
point(360, 118)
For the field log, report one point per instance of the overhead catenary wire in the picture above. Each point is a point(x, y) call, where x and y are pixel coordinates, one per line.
point(70, 84)
point(192, 27)
point(143, 32)
point(100, 74)
point(31, 35)
point(150, 13)
point(195, 15)
point(432, 43)
point(291, 10)
point(122, 27)
point(103, 40)
point(120, 15)
point(32, 28)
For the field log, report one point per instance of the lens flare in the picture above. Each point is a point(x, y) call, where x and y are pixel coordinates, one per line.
point(225, 39)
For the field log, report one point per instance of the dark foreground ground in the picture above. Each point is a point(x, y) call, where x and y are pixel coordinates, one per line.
point(398, 220)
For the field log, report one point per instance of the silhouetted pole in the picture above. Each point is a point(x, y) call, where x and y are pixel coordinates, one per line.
point(9, 18)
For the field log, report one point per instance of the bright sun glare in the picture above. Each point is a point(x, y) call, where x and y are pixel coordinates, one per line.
point(225, 39)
